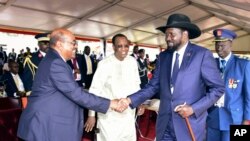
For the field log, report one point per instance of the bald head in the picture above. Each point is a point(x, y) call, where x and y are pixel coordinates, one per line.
point(63, 41)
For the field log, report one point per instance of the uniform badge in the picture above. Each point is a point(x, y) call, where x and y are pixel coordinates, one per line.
point(219, 32)
point(232, 83)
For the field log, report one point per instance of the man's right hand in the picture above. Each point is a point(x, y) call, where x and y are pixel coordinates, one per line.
point(90, 123)
point(118, 105)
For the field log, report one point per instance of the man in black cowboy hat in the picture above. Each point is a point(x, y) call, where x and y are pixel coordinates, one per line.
point(32, 61)
point(188, 81)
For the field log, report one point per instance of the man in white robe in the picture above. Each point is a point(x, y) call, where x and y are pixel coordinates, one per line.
point(116, 76)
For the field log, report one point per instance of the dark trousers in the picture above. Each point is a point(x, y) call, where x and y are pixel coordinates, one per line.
point(169, 134)
point(88, 81)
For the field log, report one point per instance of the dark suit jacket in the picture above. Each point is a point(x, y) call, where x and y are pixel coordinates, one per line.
point(84, 63)
point(11, 87)
point(54, 111)
point(3, 56)
point(197, 71)
point(12, 56)
point(80, 64)
point(143, 72)
point(27, 75)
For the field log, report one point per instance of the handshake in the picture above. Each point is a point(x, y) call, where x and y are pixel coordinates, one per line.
point(119, 105)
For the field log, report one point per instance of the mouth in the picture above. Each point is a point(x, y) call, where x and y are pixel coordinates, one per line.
point(170, 44)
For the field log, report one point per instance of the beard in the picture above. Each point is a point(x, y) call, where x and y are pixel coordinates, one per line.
point(173, 46)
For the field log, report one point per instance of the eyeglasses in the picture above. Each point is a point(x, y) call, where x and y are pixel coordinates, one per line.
point(73, 43)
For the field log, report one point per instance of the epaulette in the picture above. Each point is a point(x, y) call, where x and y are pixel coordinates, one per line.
point(30, 64)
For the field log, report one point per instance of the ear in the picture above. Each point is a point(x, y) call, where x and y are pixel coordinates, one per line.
point(185, 33)
point(59, 45)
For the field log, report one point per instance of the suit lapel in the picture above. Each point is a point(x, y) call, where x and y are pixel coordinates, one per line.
point(166, 67)
point(188, 54)
point(229, 63)
point(12, 82)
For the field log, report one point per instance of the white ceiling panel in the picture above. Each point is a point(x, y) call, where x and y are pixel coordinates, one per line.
point(134, 35)
point(210, 22)
point(135, 18)
point(160, 40)
point(119, 16)
point(204, 36)
point(25, 18)
point(75, 8)
point(205, 2)
point(241, 33)
point(191, 11)
point(236, 11)
point(3, 1)
point(93, 29)
point(151, 26)
point(230, 27)
point(151, 6)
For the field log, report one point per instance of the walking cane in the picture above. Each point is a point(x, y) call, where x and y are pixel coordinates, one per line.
point(190, 128)
point(187, 122)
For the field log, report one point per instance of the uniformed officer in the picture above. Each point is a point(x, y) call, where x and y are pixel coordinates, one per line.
point(234, 106)
point(32, 61)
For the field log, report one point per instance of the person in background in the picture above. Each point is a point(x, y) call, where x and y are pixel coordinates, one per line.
point(147, 59)
point(12, 55)
point(28, 52)
point(143, 68)
point(93, 55)
point(54, 111)
point(13, 82)
point(135, 52)
point(188, 81)
point(20, 60)
point(233, 108)
point(89, 67)
point(36, 49)
point(3, 56)
point(116, 77)
point(32, 61)
point(3, 59)
point(100, 58)
point(77, 68)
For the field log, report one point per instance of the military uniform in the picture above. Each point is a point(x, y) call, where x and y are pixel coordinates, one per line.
point(31, 63)
point(234, 106)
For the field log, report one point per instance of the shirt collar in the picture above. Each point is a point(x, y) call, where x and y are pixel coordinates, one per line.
point(182, 50)
point(13, 74)
point(43, 53)
point(227, 58)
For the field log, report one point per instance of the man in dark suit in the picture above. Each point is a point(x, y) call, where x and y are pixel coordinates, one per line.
point(77, 68)
point(143, 68)
point(32, 61)
point(3, 56)
point(3, 59)
point(135, 52)
point(14, 84)
point(12, 55)
point(20, 60)
point(234, 106)
point(187, 80)
point(89, 67)
point(54, 110)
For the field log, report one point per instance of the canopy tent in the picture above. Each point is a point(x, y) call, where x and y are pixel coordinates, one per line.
point(101, 19)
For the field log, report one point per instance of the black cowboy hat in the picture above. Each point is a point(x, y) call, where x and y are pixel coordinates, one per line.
point(183, 22)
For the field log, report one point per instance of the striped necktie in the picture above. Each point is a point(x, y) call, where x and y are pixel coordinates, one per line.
point(223, 65)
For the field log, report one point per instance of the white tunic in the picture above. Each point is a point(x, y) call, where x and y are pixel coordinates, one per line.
point(116, 79)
